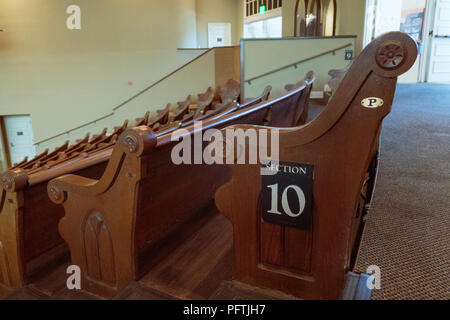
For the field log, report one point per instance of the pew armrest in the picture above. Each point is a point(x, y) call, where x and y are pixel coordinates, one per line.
point(134, 142)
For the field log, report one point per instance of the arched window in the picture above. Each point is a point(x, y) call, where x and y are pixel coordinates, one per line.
point(314, 18)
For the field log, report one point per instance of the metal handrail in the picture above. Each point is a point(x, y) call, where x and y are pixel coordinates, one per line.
point(126, 101)
point(299, 62)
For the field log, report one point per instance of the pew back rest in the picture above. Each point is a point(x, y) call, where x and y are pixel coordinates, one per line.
point(186, 187)
point(297, 111)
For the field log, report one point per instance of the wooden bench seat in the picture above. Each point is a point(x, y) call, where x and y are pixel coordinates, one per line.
point(113, 223)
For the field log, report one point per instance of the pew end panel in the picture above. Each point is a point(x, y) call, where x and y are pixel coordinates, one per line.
point(11, 226)
point(99, 221)
point(311, 260)
point(29, 237)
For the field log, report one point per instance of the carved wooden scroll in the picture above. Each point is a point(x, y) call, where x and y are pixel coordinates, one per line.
point(162, 117)
point(144, 120)
point(294, 233)
point(182, 109)
point(219, 111)
point(230, 92)
point(204, 102)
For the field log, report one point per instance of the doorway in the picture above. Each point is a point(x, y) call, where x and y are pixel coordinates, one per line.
point(398, 15)
point(219, 34)
point(438, 53)
point(427, 21)
point(18, 140)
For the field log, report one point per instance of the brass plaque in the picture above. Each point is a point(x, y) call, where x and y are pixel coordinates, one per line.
point(372, 102)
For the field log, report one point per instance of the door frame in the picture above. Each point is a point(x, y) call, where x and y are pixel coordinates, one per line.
point(4, 142)
point(428, 25)
point(428, 34)
point(229, 31)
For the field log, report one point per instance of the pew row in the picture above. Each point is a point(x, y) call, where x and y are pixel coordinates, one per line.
point(112, 224)
point(294, 230)
point(29, 237)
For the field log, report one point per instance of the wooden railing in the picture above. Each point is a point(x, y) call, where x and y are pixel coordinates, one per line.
point(298, 62)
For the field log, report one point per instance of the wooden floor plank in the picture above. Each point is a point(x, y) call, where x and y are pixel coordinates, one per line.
point(51, 282)
point(233, 290)
point(183, 272)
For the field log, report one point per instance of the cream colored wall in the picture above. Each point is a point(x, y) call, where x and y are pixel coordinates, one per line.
point(350, 20)
point(195, 78)
point(288, 12)
point(64, 78)
point(288, 51)
point(240, 21)
point(217, 11)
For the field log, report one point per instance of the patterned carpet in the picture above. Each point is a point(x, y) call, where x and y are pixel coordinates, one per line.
point(408, 229)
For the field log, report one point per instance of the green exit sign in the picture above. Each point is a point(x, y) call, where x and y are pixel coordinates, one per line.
point(262, 9)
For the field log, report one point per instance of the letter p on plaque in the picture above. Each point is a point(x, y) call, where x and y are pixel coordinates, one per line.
point(372, 102)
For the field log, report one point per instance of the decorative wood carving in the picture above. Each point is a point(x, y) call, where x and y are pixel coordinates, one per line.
point(230, 92)
point(182, 109)
point(144, 120)
point(312, 263)
point(162, 116)
point(99, 250)
point(390, 55)
point(204, 102)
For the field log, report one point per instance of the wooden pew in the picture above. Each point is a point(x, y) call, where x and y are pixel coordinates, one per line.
point(204, 102)
point(112, 224)
point(229, 92)
point(302, 115)
point(294, 231)
point(221, 110)
point(26, 210)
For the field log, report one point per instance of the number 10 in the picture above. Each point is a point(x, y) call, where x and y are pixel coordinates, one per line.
point(284, 200)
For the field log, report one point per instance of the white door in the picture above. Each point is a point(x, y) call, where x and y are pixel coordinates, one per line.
point(388, 16)
point(439, 62)
point(219, 34)
point(19, 135)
